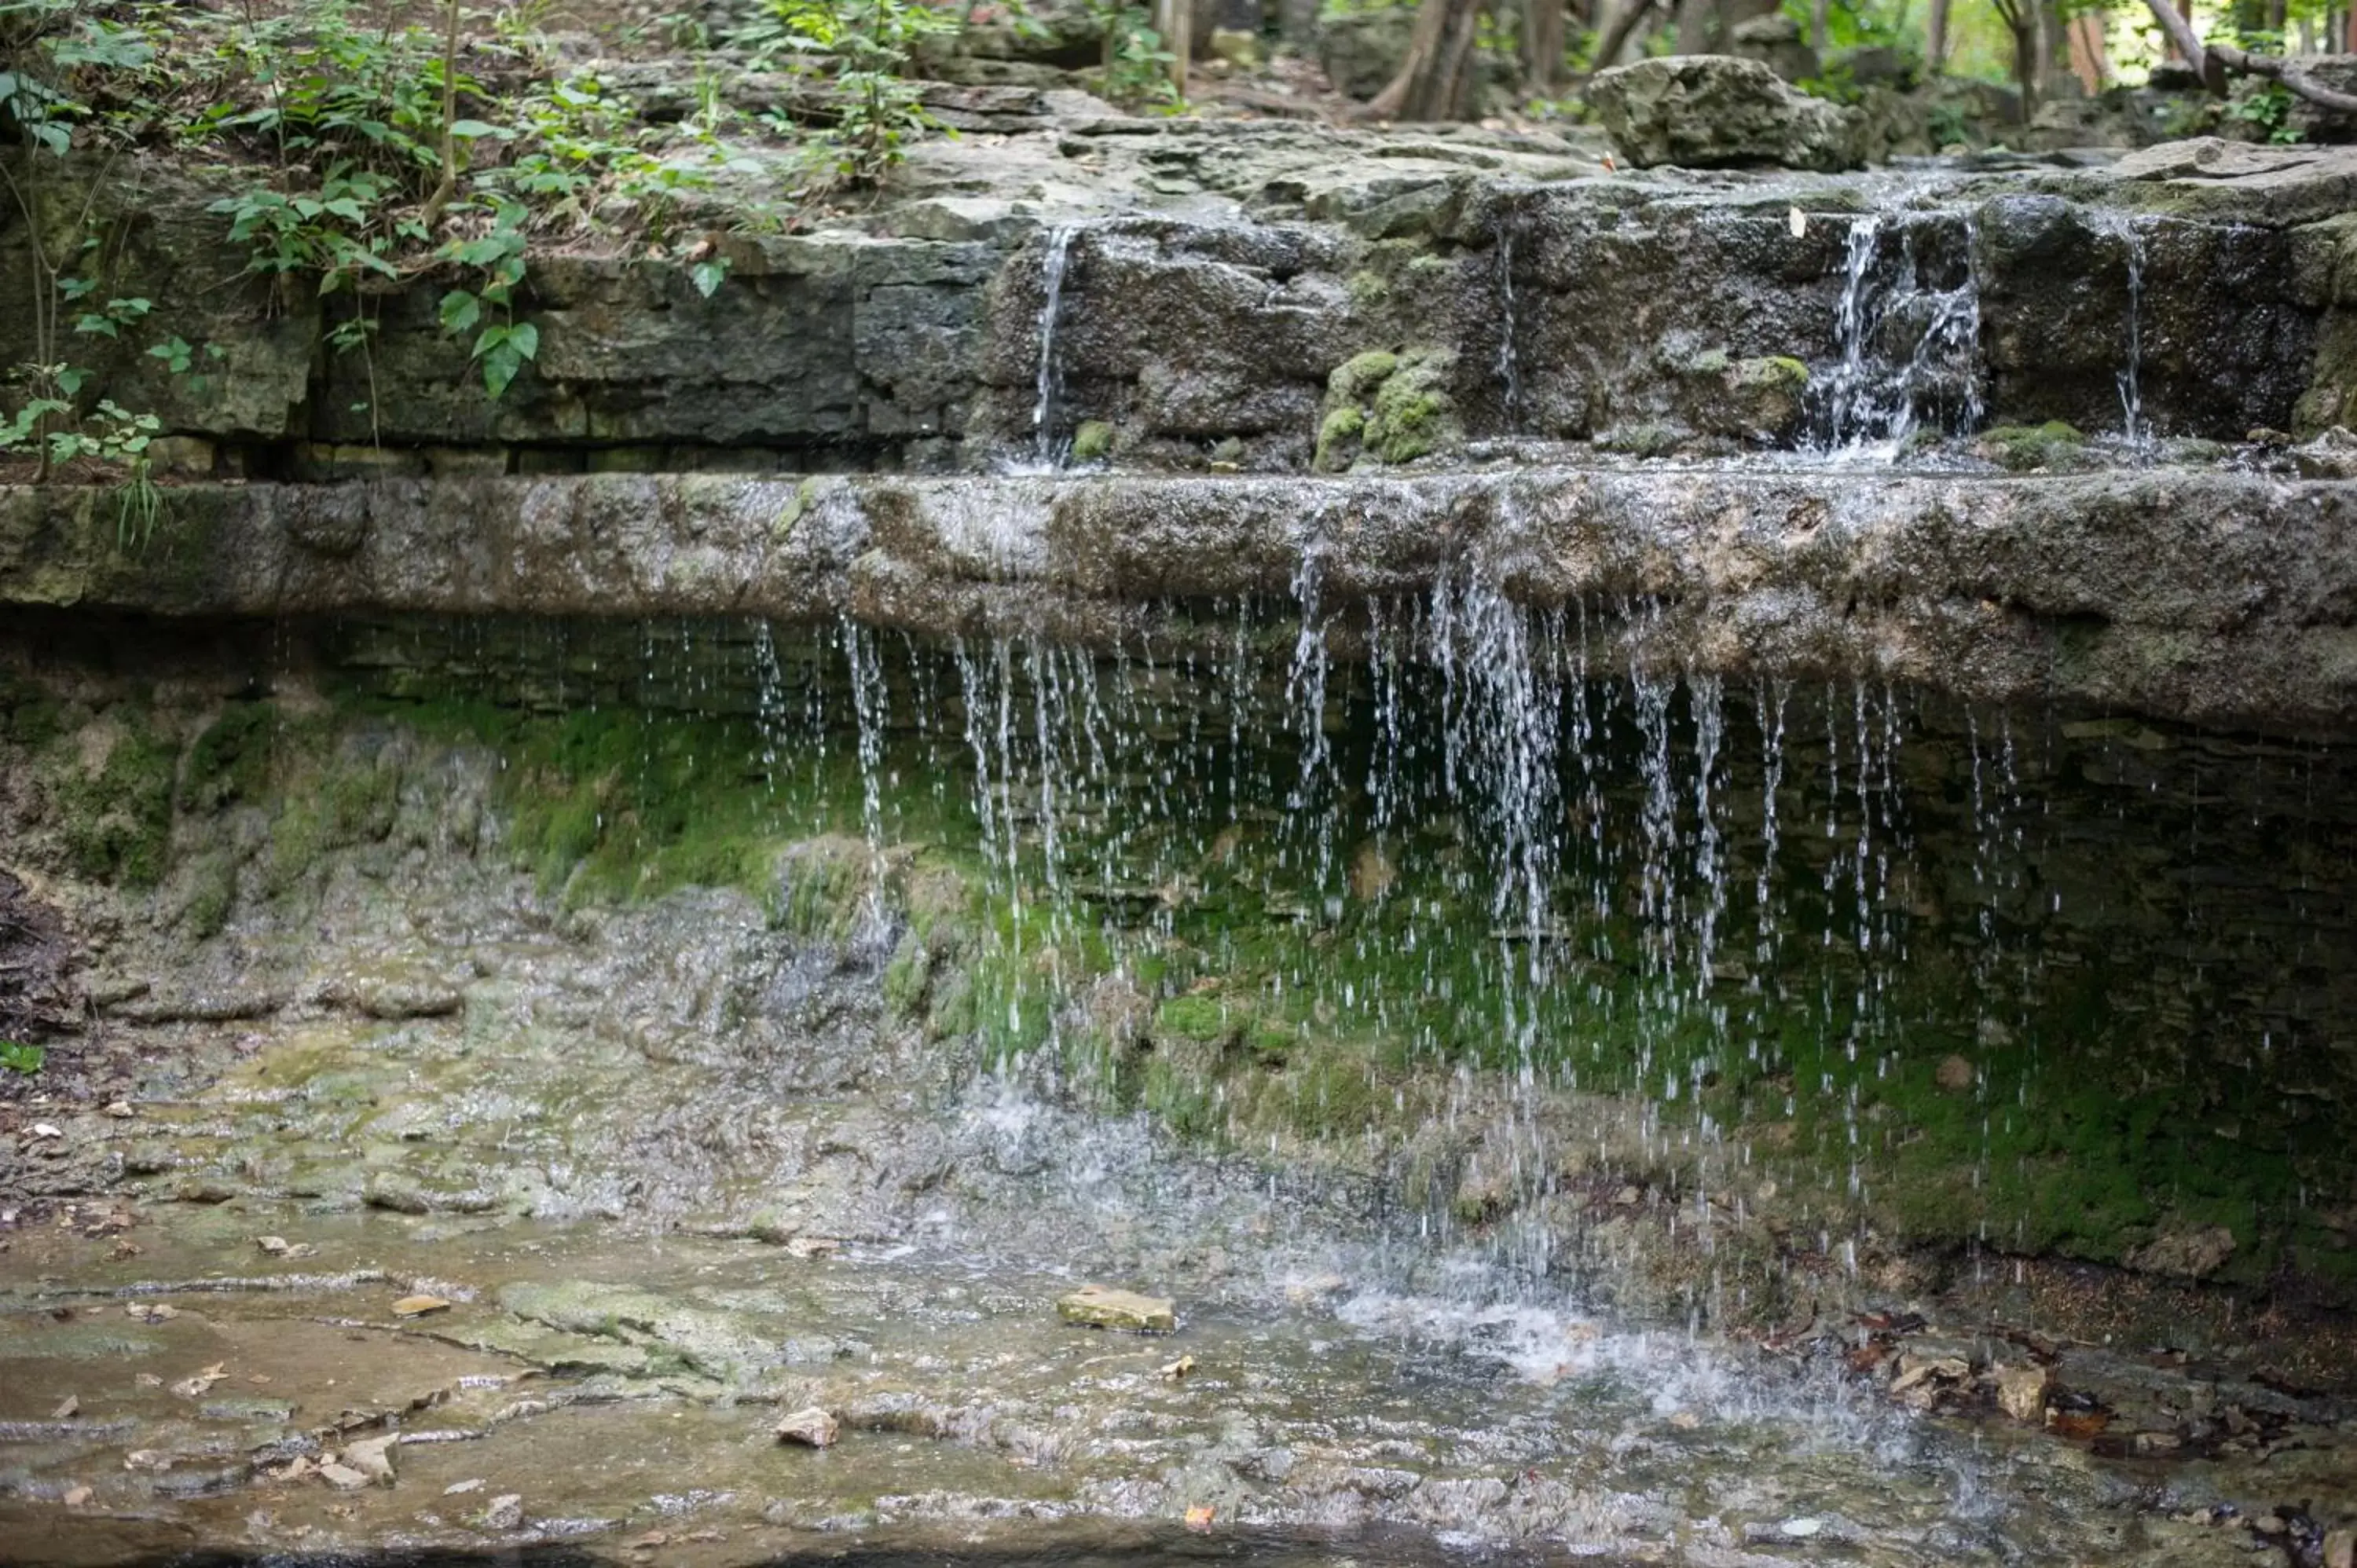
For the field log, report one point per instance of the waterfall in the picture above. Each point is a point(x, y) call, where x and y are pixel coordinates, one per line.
point(2131, 392)
point(1907, 324)
point(1509, 372)
point(1049, 382)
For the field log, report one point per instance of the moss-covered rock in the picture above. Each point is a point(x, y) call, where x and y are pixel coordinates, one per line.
point(1390, 407)
point(2025, 449)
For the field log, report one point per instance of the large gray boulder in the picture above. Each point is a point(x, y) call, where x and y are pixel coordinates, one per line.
point(1719, 111)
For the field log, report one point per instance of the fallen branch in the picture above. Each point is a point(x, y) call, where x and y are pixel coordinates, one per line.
point(2213, 63)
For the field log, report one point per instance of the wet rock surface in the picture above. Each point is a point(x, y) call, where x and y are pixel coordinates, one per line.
point(2217, 598)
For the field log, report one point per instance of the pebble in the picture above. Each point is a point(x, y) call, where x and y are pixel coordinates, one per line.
point(812, 1428)
point(1097, 1307)
point(505, 1512)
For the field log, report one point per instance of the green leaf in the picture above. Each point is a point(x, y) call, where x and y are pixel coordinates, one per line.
point(526, 339)
point(18, 1056)
point(707, 276)
point(460, 311)
point(472, 129)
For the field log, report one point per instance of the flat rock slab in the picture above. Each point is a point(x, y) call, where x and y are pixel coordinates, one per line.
point(1096, 1307)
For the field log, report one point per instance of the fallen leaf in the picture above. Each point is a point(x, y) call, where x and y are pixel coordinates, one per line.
point(147, 1459)
point(45, 1129)
point(151, 1311)
point(650, 1541)
point(1178, 1368)
point(77, 1496)
point(707, 1534)
point(66, 1409)
point(419, 1305)
point(147, 1379)
point(120, 1109)
point(1200, 1517)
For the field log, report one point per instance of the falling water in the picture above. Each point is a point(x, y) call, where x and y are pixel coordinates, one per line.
point(1052, 267)
point(2131, 394)
point(1509, 372)
point(1909, 345)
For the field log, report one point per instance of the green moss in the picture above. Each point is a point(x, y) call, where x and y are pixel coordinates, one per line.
point(1368, 289)
point(1412, 413)
point(29, 715)
point(1092, 441)
point(1337, 438)
point(118, 825)
point(1356, 378)
point(1206, 1018)
point(2020, 448)
point(230, 758)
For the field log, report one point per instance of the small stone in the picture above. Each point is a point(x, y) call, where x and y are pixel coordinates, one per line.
point(812, 1247)
point(147, 1379)
point(46, 1130)
point(68, 1408)
point(419, 1305)
point(276, 1246)
point(650, 1541)
point(1178, 1368)
point(147, 1459)
point(1802, 1528)
point(373, 1457)
point(812, 1428)
point(2158, 1442)
point(1955, 1075)
point(201, 1383)
point(121, 1110)
point(151, 1312)
point(460, 1488)
point(505, 1512)
point(78, 1496)
point(343, 1477)
point(2022, 1392)
point(2339, 1549)
point(1096, 1307)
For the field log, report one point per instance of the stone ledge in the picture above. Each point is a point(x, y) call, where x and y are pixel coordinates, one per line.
point(2219, 599)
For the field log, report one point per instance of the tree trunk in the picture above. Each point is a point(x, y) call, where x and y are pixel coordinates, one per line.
point(1177, 28)
point(1693, 26)
point(1435, 80)
point(1820, 22)
point(1543, 43)
point(1935, 38)
point(1616, 31)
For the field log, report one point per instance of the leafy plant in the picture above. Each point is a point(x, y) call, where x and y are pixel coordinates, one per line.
point(1137, 68)
point(502, 347)
point(15, 1056)
point(866, 45)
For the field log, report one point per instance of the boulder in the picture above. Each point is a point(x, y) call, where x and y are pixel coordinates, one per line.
point(1776, 41)
point(812, 1428)
point(1719, 111)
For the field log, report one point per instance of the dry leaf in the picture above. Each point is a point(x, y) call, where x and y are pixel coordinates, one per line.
point(147, 1459)
point(419, 1305)
point(66, 1409)
point(147, 1379)
point(120, 1109)
point(650, 1541)
point(46, 1130)
point(78, 1496)
point(1178, 1368)
point(1200, 1517)
point(151, 1312)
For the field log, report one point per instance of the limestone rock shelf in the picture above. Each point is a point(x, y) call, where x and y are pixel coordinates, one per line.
point(2218, 599)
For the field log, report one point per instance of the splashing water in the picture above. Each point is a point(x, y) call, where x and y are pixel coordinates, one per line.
point(2131, 392)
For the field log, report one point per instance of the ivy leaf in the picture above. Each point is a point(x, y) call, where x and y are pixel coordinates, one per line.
point(707, 276)
point(460, 311)
point(471, 129)
point(526, 339)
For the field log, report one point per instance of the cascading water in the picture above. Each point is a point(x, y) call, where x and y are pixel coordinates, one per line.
point(1908, 326)
point(2130, 375)
point(1054, 262)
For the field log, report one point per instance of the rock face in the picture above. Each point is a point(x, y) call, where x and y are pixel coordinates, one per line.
point(1218, 275)
point(2218, 599)
point(1720, 112)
